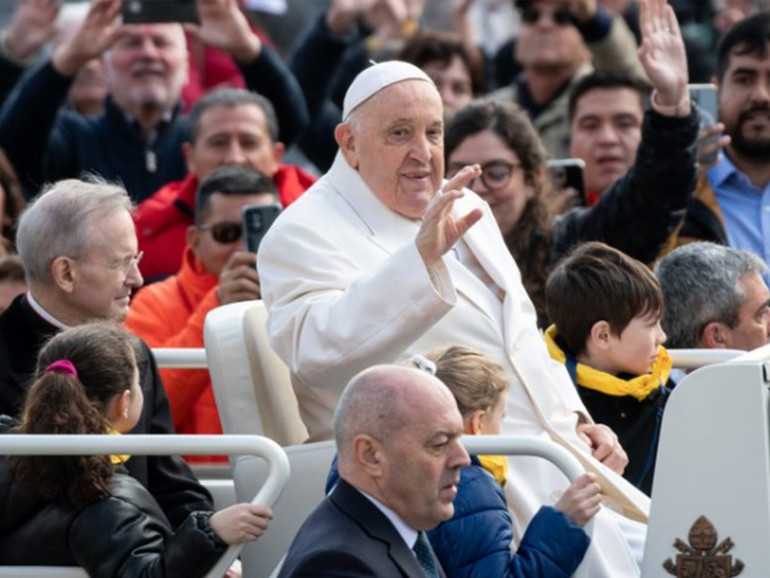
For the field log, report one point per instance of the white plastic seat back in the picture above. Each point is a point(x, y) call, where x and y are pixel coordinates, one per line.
point(274, 460)
point(309, 469)
point(713, 461)
point(251, 384)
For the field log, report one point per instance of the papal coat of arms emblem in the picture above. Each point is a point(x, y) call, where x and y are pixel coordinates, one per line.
point(703, 557)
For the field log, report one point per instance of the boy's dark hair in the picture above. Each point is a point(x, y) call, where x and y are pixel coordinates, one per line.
point(608, 80)
point(749, 36)
point(599, 283)
point(232, 180)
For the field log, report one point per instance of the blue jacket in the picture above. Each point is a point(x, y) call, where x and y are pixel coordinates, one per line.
point(476, 542)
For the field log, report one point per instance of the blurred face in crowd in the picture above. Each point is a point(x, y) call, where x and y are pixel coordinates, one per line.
point(147, 67)
point(236, 135)
point(90, 88)
point(453, 82)
point(549, 40)
point(502, 184)
point(214, 241)
point(395, 140)
point(605, 132)
point(744, 105)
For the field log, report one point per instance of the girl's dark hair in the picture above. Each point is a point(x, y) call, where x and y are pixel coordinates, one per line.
point(59, 403)
point(529, 241)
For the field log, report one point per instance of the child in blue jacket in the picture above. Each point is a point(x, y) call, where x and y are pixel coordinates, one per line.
point(476, 541)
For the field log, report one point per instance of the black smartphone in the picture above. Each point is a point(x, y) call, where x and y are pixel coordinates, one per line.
point(257, 219)
point(569, 173)
point(155, 11)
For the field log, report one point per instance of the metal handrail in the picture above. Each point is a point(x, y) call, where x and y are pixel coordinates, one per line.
point(185, 358)
point(531, 446)
point(154, 445)
point(195, 358)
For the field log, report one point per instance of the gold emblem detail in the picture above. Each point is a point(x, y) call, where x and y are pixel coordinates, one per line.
point(703, 557)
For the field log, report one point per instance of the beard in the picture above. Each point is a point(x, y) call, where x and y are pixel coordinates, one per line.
point(755, 148)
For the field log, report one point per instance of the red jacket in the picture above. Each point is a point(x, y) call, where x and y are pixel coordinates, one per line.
point(171, 314)
point(162, 220)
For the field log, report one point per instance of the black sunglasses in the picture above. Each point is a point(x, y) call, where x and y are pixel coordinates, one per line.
point(225, 232)
point(532, 15)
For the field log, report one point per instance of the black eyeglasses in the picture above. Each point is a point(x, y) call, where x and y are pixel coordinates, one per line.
point(494, 174)
point(532, 15)
point(225, 232)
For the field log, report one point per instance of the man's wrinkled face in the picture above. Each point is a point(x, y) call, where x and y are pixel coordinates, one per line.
point(108, 272)
point(605, 132)
point(395, 140)
point(548, 39)
point(422, 461)
point(753, 327)
point(147, 67)
point(236, 135)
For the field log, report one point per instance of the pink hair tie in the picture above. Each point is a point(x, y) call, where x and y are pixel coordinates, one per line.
point(62, 366)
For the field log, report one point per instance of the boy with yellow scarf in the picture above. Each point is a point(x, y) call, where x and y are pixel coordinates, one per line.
point(606, 309)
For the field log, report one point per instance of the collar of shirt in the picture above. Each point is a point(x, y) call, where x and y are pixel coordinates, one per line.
point(722, 171)
point(37, 308)
point(408, 535)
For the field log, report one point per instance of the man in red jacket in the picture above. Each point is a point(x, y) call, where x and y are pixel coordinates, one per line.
point(216, 270)
point(227, 127)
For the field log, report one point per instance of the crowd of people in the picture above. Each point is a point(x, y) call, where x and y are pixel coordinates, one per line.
point(429, 275)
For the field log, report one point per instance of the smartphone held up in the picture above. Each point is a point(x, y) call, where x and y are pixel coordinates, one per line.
point(156, 11)
point(257, 219)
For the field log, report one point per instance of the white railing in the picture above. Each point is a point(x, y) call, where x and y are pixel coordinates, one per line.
point(195, 358)
point(154, 445)
point(185, 358)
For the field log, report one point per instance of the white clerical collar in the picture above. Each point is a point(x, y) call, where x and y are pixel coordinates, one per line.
point(408, 535)
point(37, 308)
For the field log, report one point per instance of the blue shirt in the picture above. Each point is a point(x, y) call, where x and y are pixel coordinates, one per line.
point(746, 209)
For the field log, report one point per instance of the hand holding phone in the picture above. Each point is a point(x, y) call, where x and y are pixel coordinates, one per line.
point(705, 96)
point(257, 219)
point(568, 173)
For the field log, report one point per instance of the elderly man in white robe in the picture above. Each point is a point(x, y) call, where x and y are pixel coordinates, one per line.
point(381, 259)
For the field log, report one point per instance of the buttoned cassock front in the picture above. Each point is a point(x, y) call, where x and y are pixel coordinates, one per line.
point(347, 289)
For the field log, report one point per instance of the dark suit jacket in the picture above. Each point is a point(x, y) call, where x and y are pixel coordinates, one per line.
point(168, 478)
point(347, 536)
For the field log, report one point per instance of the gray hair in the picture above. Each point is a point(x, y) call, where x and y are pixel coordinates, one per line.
point(230, 98)
point(701, 284)
point(58, 222)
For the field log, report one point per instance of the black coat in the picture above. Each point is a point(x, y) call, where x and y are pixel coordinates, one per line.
point(168, 478)
point(124, 534)
point(348, 536)
point(639, 211)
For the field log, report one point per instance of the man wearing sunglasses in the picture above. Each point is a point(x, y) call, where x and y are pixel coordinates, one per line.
point(561, 41)
point(216, 270)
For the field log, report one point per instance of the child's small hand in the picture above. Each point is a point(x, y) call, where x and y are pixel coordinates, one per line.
point(241, 522)
point(582, 500)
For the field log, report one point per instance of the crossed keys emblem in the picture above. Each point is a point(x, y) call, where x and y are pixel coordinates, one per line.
point(703, 557)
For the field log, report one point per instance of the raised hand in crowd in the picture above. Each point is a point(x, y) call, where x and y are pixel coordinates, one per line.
point(224, 26)
point(663, 57)
point(32, 25)
point(98, 32)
